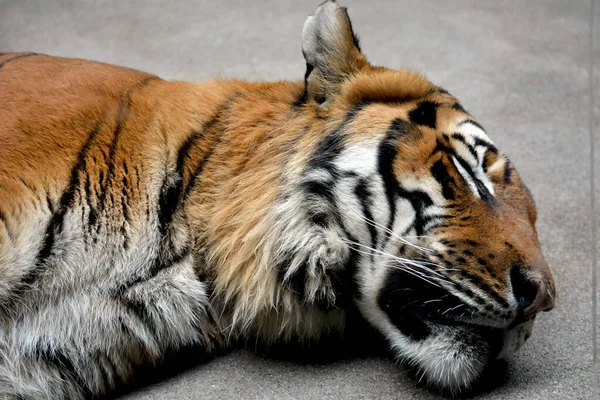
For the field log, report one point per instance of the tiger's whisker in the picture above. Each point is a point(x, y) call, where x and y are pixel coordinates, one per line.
point(387, 230)
point(420, 264)
point(405, 264)
point(403, 268)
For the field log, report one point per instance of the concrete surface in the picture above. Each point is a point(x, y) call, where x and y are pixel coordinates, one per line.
point(521, 67)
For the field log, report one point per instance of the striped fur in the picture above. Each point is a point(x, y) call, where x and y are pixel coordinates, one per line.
point(140, 216)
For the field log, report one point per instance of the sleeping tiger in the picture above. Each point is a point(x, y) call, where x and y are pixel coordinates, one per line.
point(139, 217)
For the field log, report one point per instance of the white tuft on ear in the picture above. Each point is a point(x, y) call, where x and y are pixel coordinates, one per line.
point(320, 33)
point(330, 49)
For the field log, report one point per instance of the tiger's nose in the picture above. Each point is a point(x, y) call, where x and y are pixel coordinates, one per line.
point(532, 292)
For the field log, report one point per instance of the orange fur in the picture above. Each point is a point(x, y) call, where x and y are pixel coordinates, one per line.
point(262, 136)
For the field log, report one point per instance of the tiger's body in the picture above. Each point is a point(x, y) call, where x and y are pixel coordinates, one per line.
point(140, 216)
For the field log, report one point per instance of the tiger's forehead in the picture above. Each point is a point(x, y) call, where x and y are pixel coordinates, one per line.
point(387, 94)
point(439, 114)
point(424, 127)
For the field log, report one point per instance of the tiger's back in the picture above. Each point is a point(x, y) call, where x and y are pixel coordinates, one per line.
point(73, 139)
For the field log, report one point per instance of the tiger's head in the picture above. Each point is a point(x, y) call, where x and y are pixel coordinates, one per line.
point(435, 220)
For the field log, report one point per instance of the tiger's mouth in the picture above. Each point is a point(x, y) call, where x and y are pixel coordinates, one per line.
point(437, 326)
point(410, 301)
point(418, 325)
point(453, 355)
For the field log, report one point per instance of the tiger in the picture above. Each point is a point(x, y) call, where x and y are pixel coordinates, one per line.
point(140, 217)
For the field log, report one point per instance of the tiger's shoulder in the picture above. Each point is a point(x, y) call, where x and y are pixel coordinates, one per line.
point(114, 146)
point(51, 106)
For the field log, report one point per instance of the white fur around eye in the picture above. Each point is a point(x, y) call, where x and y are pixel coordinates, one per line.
point(466, 176)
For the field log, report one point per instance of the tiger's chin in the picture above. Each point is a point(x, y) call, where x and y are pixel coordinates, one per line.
point(455, 358)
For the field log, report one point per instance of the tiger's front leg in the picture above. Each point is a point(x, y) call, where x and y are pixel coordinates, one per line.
point(86, 343)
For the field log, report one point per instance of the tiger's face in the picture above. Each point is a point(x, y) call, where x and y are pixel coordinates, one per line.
point(450, 269)
point(440, 227)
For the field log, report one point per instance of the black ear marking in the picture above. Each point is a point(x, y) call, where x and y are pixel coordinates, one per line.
point(355, 38)
point(424, 114)
point(303, 98)
point(508, 172)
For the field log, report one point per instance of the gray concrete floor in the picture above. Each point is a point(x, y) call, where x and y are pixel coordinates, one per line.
point(521, 67)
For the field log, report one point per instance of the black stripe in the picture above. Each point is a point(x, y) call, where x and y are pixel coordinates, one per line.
point(317, 190)
point(486, 161)
point(323, 158)
point(458, 107)
point(172, 187)
point(303, 98)
point(112, 150)
point(333, 144)
point(424, 114)
point(121, 118)
point(216, 127)
point(92, 215)
point(4, 221)
point(472, 122)
point(156, 267)
point(385, 166)
point(62, 361)
point(190, 142)
point(328, 150)
point(168, 200)
point(49, 203)
point(362, 191)
point(109, 372)
point(508, 172)
point(297, 280)
point(462, 139)
point(139, 310)
point(466, 167)
point(441, 147)
point(3, 63)
point(478, 281)
point(480, 142)
point(419, 201)
point(483, 191)
point(67, 201)
point(441, 174)
point(193, 182)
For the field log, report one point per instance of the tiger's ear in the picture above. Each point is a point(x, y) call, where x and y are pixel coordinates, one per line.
point(331, 51)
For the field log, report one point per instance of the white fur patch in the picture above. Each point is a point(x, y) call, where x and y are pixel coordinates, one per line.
point(471, 132)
